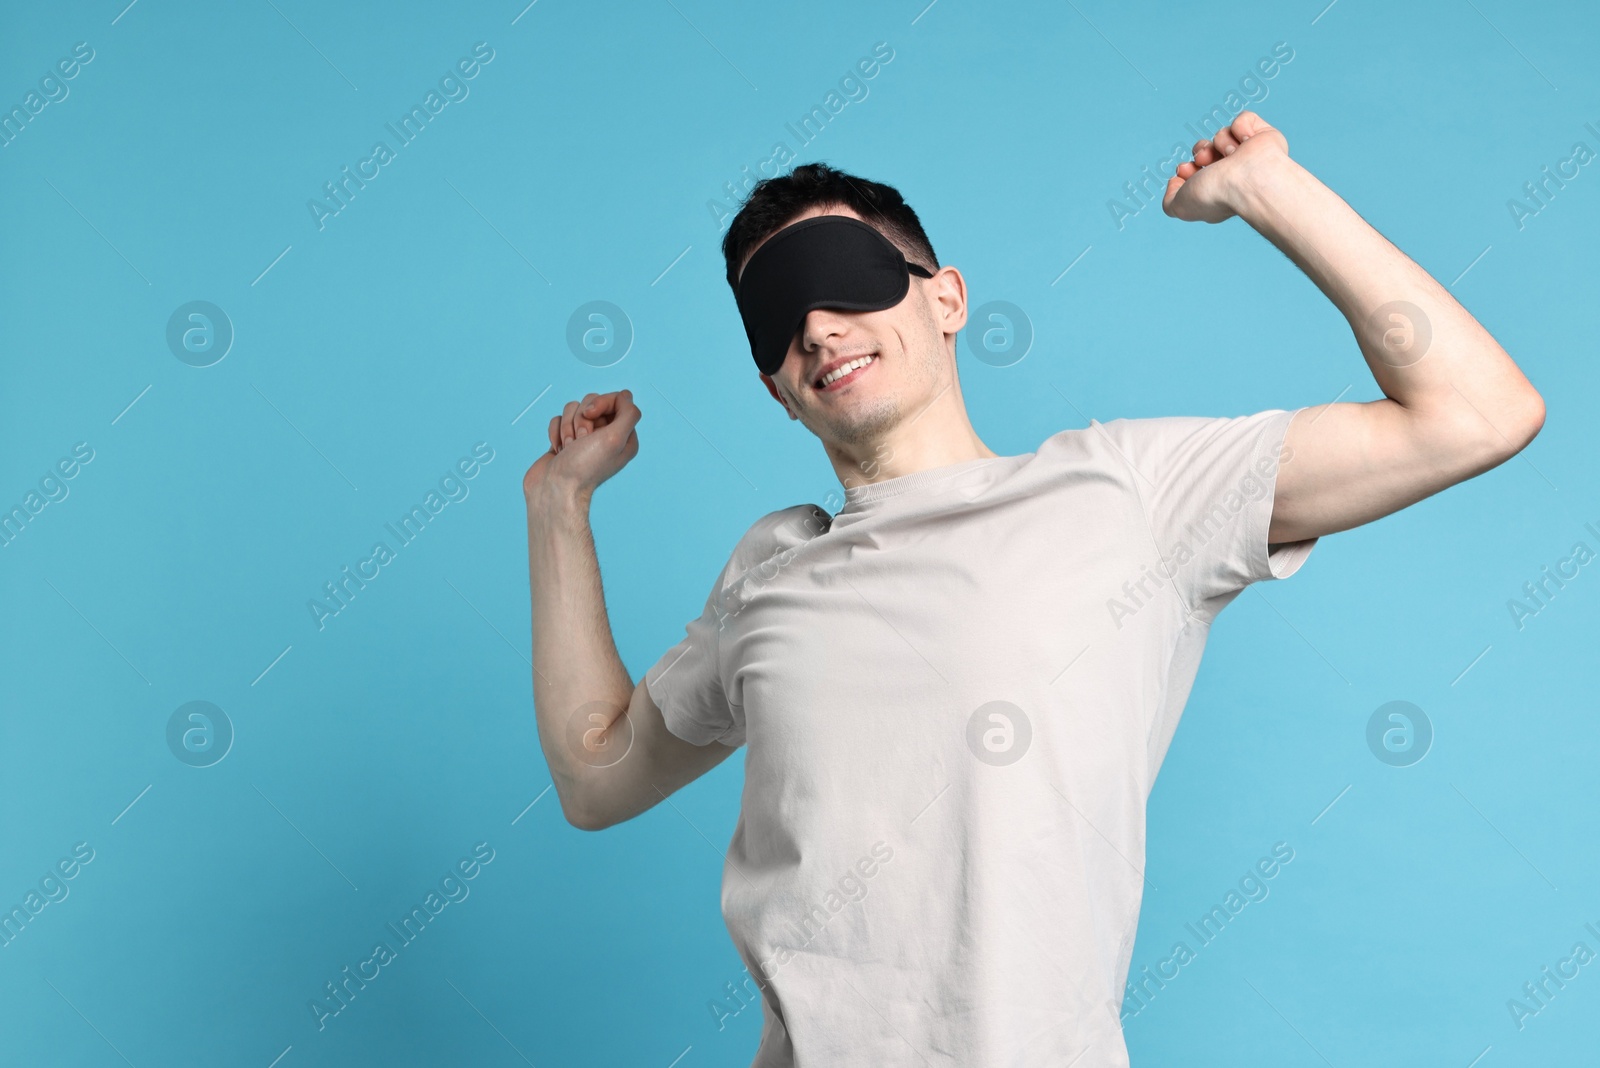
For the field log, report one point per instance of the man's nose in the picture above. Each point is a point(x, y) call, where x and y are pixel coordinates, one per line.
point(822, 322)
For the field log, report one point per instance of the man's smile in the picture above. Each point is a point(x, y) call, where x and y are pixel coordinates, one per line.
point(839, 373)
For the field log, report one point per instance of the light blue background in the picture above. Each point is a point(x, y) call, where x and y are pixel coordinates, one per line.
point(432, 311)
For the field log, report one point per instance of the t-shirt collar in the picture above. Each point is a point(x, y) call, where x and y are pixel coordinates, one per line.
point(857, 498)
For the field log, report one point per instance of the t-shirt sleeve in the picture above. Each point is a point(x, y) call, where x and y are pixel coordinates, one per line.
point(1206, 486)
point(687, 682)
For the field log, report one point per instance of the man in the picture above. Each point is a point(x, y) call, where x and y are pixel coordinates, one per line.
point(956, 693)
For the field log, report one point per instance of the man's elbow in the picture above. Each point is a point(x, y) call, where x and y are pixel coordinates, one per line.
point(581, 806)
point(585, 815)
point(1473, 438)
point(1524, 419)
point(1535, 418)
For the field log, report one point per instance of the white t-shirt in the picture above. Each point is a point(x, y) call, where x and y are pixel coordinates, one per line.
point(956, 694)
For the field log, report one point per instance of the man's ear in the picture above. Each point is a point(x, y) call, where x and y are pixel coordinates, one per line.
point(949, 299)
point(766, 380)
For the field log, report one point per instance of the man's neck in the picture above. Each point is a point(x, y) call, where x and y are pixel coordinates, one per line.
point(937, 438)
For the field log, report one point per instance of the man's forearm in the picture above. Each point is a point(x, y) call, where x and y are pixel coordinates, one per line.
point(576, 669)
point(1426, 351)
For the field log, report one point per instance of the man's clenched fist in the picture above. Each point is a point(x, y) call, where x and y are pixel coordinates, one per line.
point(1207, 188)
point(590, 441)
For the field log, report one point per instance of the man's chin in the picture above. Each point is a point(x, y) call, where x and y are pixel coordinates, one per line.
point(855, 423)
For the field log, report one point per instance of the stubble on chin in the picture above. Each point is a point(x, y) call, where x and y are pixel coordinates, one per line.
point(854, 423)
point(864, 424)
point(869, 423)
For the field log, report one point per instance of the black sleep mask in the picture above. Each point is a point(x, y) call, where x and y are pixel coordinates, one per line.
point(828, 261)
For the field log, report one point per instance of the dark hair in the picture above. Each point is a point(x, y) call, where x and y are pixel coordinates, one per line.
point(775, 201)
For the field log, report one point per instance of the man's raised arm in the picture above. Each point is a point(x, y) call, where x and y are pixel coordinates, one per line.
point(1454, 403)
point(608, 748)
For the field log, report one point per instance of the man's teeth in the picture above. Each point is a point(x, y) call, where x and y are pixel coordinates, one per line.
point(844, 369)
